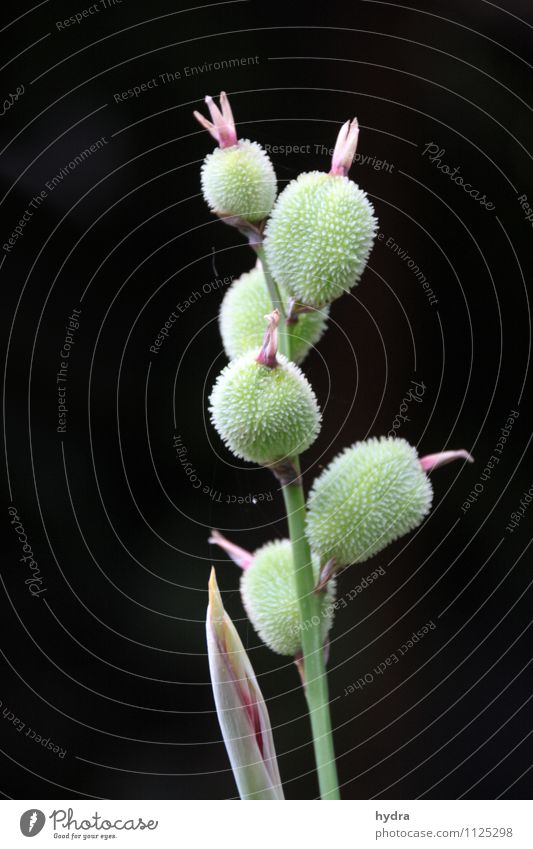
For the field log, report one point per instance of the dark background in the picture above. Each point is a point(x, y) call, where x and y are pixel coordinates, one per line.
point(110, 661)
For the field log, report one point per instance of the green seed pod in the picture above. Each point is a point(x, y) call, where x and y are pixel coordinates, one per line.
point(269, 596)
point(242, 318)
point(264, 414)
point(239, 181)
point(319, 237)
point(370, 494)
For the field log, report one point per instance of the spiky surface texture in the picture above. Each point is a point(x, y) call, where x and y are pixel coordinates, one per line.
point(264, 414)
point(369, 495)
point(319, 237)
point(269, 596)
point(239, 180)
point(242, 318)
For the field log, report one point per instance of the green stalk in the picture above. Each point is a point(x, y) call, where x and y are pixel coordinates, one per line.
point(316, 682)
point(277, 303)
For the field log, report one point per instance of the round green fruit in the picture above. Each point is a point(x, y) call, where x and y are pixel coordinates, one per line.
point(319, 236)
point(370, 494)
point(264, 414)
point(242, 318)
point(239, 181)
point(269, 596)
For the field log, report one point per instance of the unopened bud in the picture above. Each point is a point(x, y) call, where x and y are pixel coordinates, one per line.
point(241, 709)
point(345, 148)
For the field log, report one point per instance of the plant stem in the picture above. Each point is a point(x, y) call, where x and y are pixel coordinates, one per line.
point(316, 682)
point(277, 303)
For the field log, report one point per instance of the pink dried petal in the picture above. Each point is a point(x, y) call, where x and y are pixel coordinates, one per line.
point(434, 461)
point(239, 555)
point(222, 124)
point(267, 356)
point(345, 148)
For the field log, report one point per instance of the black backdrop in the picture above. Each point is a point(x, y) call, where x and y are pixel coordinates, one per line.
point(108, 660)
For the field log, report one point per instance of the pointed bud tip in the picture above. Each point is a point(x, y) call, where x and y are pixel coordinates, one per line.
point(240, 707)
point(216, 608)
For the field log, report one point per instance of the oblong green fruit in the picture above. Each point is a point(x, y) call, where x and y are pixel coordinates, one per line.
point(370, 494)
point(319, 236)
point(240, 181)
point(269, 596)
point(242, 318)
point(264, 414)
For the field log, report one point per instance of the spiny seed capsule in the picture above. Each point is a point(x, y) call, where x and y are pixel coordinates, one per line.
point(242, 318)
point(269, 596)
point(321, 230)
point(371, 494)
point(238, 179)
point(262, 405)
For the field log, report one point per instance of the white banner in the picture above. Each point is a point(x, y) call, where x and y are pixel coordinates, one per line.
point(230, 825)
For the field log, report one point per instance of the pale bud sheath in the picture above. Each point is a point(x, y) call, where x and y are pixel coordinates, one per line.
point(240, 706)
